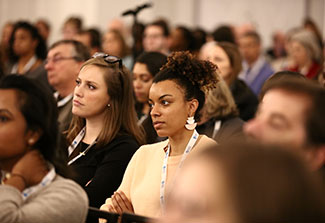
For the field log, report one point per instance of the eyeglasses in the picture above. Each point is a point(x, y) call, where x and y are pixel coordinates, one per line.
point(58, 59)
point(109, 59)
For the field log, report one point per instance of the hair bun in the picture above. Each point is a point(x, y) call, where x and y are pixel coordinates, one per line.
point(200, 72)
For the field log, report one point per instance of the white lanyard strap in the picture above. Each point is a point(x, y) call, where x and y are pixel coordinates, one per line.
point(63, 101)
point(49, 177)
point(27, 67)
point(76, 142)
point(188, 149)
point(217, 126)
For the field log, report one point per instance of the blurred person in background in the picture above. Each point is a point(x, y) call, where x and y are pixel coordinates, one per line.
point(224, 33)
point(146, 66)
point(219, 119)
point(306, 54)
point(291, 113)
point(155, 37)
point(4, 45)
point(92, 39)
point(256, 70)
point(114, 44)
point(245, 183)
point(72, 27)
point(43, 28)
point(27, 52)
point(181, 39)
point(229, 61)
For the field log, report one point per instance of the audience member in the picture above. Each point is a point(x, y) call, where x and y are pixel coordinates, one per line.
point(33, 189)
point(176, 98)
point(228, 59)
point(27, 50)
point(219, 118)
point(115, 45)
point(146, 66)
point(255, 68)
point(44, 28)
point(245, 183)
point(291, 113)
point(103, 134)
point(4, 44)
point(63, 64)
point(310, 25)
point(306, 53)
point(277, 50)
point(155, 38)
point(181, 39)
point(224, 33)
point(91, 38)
point(71, 27)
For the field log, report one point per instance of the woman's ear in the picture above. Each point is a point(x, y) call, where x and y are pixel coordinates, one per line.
point(192, 107)
point(33, 136)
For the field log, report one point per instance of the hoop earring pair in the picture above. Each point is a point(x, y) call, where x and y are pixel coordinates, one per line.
point(190, 123)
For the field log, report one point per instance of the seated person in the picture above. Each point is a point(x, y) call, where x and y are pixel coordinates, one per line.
point(33, 189)
point(245, 183)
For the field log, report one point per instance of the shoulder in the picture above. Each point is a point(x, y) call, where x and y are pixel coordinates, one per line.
point(66, 186)
point(152, 150)
point(206, 141)
point(122, 142)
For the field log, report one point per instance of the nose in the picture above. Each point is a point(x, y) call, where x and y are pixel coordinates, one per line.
point(154, 111)
point(253, 128)
point(137, 84)
point(78, 91)
point(48, 64)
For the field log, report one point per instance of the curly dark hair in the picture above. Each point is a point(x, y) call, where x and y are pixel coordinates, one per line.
point(40, 51)
point(194, 76)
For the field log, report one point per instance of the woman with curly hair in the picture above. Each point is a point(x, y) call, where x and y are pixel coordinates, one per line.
point(176, 98)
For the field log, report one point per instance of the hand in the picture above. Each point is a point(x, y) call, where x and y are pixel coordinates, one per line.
point(120, 203)
point(32, 167)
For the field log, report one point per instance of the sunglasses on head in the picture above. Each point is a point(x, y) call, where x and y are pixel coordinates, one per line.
point(108, 58)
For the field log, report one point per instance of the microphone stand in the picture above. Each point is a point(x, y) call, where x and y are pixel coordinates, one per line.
point(137, 29)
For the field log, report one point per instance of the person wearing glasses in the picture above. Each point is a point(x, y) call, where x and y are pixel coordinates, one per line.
point(176, 98)
point(33, 186)
point(63, 64)
point(104, 133)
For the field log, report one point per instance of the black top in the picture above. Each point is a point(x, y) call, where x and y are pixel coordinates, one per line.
point(101, 170)
point(245, 99)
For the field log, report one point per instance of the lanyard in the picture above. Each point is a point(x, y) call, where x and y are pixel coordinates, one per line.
point(63, 101)
point(45, 181)
point(75, 143)
point(217, 126)
point(27, 67)
point(188, 149)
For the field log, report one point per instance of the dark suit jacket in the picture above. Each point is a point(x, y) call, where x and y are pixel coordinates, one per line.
point(230, 129)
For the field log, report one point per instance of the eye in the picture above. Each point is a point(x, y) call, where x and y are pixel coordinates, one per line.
point(150, 104)
point(91, 87)
point(3, 118)
point(164, 102)
point(78, 82)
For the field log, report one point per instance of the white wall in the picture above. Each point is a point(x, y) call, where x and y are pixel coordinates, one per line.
point(267, 15)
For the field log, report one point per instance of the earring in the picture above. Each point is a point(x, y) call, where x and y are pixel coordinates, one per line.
point(190, 123)
point(108, 105)
point(31, 141)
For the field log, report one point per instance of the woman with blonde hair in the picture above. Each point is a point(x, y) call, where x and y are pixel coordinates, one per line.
point(219, 118)
point(104, 133)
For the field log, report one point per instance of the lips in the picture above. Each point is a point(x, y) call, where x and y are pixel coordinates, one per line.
point(77, 103)
point(158, 124)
